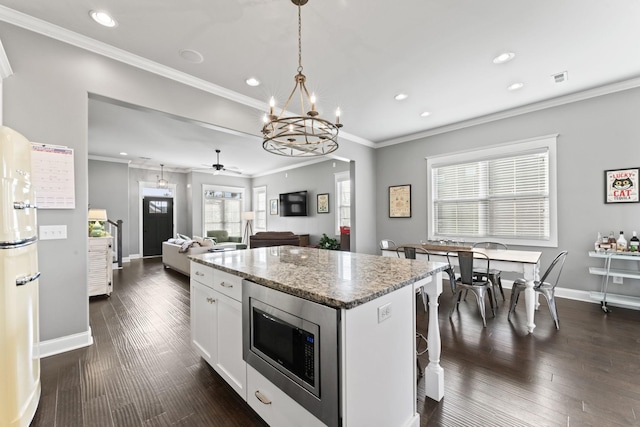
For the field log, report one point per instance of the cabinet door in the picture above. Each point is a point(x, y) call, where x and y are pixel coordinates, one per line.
point(204, 307)
point(230, 364)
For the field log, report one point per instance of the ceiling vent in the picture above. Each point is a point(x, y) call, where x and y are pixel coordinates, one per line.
point(561, 77)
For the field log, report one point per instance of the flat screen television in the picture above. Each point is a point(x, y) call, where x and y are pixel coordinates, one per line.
point(293, 204)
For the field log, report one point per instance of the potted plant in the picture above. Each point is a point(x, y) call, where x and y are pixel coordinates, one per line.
point(327, 242)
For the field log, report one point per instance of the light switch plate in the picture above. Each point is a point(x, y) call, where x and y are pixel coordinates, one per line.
point(52, 232)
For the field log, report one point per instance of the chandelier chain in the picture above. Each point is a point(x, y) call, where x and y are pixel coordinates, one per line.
point(299, 38)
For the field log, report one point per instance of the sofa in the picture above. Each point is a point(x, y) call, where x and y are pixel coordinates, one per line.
point(173, 256)
point(273, 238)
point(222, 236)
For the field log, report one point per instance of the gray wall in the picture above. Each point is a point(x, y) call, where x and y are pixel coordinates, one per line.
point(315, 179)
point(109, 189)
point(594, 135)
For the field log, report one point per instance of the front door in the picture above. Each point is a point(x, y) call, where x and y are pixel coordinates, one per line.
point(157, 224)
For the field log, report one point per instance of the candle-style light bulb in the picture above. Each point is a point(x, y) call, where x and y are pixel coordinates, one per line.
point(265, 118)
point(338, 112)
point(313, 101)
point(272, 104)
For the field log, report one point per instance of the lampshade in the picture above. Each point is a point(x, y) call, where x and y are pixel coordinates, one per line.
point(97, 215)
point(248, 216)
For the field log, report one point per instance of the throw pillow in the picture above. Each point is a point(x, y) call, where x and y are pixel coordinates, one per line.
point(183, 237)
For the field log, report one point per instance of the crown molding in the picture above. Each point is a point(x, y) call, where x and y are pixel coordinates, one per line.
point(542, 105)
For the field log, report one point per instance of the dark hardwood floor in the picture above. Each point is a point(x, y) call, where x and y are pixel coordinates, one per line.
point(141, 370)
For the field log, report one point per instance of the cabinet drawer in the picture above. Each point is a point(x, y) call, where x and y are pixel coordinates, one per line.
point(274, 406)
point(202, 273)
point(227, 284)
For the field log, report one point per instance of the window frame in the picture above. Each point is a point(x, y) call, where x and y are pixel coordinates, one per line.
point(223, 188)
point(513, 148)
point(257, 208)
point(340, 177)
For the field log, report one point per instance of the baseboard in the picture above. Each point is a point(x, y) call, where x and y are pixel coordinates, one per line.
point(589, 296)
point(66, 343)
point(134, 256)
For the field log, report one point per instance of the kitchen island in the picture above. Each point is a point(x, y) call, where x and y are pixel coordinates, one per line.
point(374, 299)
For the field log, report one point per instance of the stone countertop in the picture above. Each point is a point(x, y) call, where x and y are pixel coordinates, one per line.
point(332, 278)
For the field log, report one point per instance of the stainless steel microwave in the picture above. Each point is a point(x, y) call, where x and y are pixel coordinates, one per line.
point(293, 343)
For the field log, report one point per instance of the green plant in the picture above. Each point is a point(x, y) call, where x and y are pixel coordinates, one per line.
point(327, 242)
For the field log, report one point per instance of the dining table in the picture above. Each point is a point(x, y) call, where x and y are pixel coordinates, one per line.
point(526, 263)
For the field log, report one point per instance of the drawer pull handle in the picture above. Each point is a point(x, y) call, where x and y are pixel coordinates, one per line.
point(226, 285)
point(211, 300)
point(199, 274)
point(27, 279)
point(23, 205)
point(262, 398)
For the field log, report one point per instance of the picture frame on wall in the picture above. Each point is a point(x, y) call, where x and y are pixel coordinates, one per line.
point(323, 203)
point(621, 185)
point(273, 207)
point(400, 201)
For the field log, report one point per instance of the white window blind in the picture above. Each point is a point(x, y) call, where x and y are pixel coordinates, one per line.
point(343, 200)
point(260, 209)
point(504, 195)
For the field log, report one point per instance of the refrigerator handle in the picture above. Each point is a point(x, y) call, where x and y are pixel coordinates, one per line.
point(23, 205)
point(24, 280)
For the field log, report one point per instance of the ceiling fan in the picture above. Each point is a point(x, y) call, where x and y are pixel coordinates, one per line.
point(218, 167)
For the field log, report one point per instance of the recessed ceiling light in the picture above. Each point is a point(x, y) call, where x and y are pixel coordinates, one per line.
point(252, 81)
point(103, 18)
point(515, 86)
point(123, 154)
point(401, 96)
point(191, 56)
point(504, 57)
point(425, 114)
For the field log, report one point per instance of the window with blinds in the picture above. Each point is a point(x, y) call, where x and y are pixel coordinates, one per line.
point(260, 208)
point(343, 200)
point(503, 195)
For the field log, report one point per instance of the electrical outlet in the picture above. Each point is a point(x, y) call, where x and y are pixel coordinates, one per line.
point(384, 312)
point(617, 280)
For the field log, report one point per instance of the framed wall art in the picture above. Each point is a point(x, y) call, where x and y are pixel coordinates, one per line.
point(273, 207)
point(621, 185)
point(323, 203)
point(400, 201)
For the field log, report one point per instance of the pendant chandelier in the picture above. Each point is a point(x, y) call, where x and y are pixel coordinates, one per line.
point(305, 135)
point(162, 183)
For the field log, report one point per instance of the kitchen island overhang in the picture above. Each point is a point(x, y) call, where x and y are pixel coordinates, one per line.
point(359, 286)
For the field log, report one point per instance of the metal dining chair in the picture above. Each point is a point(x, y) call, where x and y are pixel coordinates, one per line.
point(410, 253)
point(492, 275)
point(545, 286)
point(467, 260)
point(387, 244)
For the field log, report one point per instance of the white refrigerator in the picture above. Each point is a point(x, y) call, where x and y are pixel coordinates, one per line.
point(19, 329)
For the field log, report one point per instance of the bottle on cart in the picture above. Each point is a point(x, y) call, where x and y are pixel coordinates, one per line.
point(621, 244)
point(612, 242)
point(634, 243)
point(598, 242)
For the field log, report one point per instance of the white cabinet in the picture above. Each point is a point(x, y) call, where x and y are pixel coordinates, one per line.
point(100, 265)
point(216, 323)
point(615, 271)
